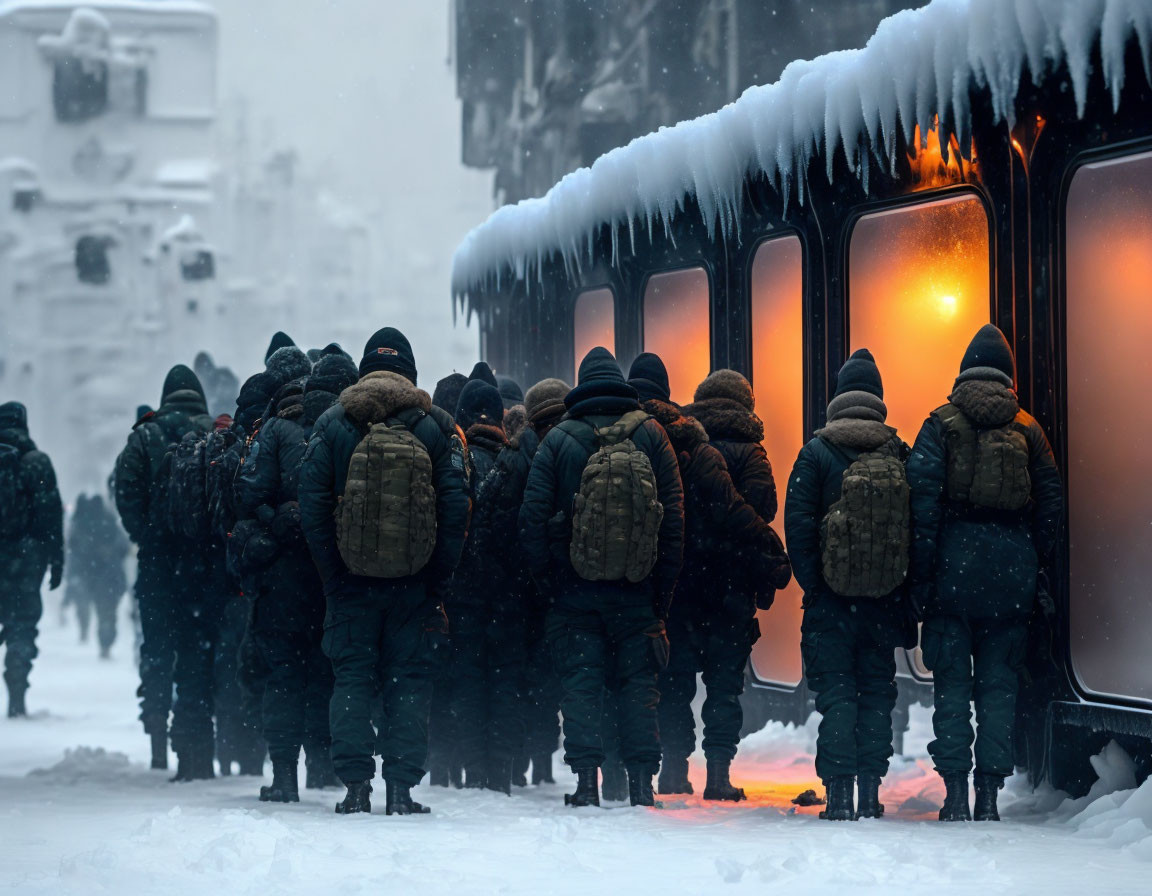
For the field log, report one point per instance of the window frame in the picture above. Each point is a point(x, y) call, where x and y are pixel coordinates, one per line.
point(581, 290)
point(702, 264)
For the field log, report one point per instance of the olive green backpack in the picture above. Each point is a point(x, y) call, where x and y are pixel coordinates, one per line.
point(864, 537)
point(386, 520)
point(986, 467)
point(617, 514)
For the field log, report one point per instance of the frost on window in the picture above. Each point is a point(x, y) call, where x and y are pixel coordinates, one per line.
point(594, 322)
point(92, 264)
point(93, 72)
point(918, 290)
point(677, 327)
point(778, 381)
point(1109, 329)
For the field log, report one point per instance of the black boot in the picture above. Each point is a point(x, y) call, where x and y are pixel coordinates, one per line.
point(357, 799)
point(520, 771)
point(868, 803)
point(542, 769)
point(615, 786)
point(640, 787)
point(587, 789)
point(674, 775)
point(224, 767)
point(16, 707)
point(499, 776)
point(439, 775)
point(987, 788)
point(284, 788)
point(398, 801)
point(839, 793)
point(456, 774)
point(475, 777)
point(319, 771)
point(160, 749)
point(719, 787)
point(194, 764)
point(955, 806)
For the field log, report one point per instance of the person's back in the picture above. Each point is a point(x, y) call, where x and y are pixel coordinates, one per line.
point(377, 629)
point(987, 501)
point(593, 619)
point(31, 542)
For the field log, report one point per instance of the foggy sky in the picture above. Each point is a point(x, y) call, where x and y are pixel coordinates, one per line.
point(364, 90)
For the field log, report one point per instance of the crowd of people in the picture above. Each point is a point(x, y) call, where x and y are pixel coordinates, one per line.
point(350, 566)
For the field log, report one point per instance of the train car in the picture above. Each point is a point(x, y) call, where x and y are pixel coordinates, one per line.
point(978, 160)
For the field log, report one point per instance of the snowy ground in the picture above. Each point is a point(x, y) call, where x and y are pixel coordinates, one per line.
point(81, 813)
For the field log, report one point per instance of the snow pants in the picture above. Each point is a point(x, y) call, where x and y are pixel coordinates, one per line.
point(717, 643)
point(850, 662)
point(198, 626)
point(384, 639)
point(541, 701)
point(238, 724)
point(297, 694)
point(20, 609)
point(489, 651)
point(974, 661)
point(159, 623)
point(600, 637)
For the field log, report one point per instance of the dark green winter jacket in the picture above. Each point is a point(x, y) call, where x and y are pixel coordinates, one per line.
point(324, 471)
point(44, 538)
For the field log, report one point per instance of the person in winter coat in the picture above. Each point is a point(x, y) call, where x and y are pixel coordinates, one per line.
point(97, 549)
point(712, 625)
point(447, 393)
point(609, 629)
point(987, 502)
point(848, 642)
point(171, 613)
point(510, 392)
point(288, 617)
point(386, 634)
point(486, 612)
point(31, 543)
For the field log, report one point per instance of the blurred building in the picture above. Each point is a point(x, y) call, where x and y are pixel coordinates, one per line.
point(547, 86)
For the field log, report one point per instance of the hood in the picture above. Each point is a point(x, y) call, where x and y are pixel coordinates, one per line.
point(985, 402)
point(685, 433)
point(727, 419)
point(316, 402)
point(13, 415)
point(858, 434)
point(382, 394)
point(184, 401)
point(484, 435)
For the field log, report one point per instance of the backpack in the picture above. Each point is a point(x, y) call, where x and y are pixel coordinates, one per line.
point(14, 494)
point(188, 511)
point(987, 468)
point(616, 514)
point(496, 507)
point(386, 519)
point(864, 536)
point(223, 454)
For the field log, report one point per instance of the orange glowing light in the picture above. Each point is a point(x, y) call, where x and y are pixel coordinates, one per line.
point(778, 381)
point(594, 322)
point(929, 168)
point(918, 291)
point(677, 327)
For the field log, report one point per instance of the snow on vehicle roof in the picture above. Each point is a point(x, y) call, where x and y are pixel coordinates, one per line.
point(920, 64)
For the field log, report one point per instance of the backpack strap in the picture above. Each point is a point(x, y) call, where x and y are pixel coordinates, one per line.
point(408, 418)
point(622, 429)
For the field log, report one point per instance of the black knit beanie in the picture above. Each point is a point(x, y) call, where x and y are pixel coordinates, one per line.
point(334, 348)
point(510, 392)
point(332, 373)
point(649, 377)
point(280, 340)
point(479, 403)
point(860, 374)
point(447, 394)
point(389, 350)
point(989, 357)
point(256, 392)
point(180, 379)
point(287, 364)
point(481, 371)
point(13, 415)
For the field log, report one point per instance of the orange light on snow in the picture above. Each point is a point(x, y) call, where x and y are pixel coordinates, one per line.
point(918, 291)
point(677, 327)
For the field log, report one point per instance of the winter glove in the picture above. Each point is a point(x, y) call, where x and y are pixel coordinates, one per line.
point(57, 575)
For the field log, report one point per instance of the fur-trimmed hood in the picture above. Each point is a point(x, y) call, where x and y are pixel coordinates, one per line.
point(858, 434)
point(515, 422)
point(685, 433)
point(985, 402)
point(380, 395)
point(485, 435)
point(727, 419)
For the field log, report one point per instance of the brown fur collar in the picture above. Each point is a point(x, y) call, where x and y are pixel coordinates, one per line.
point(485, 435)
point(725, 419)
point(685, 433)
point(860, 435)
point(381, 395)
point(515, 422)
point(985, 403)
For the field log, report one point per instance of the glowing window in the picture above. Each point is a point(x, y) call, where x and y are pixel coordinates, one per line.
point(918, 290)
point(1109, 294)
point(778, 380)
point(677, 327)
point(594, 322)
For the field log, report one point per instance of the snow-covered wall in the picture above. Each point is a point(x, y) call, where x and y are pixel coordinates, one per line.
point(920, 65)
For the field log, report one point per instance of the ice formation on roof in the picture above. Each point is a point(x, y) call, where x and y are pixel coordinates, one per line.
point(920, 65)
